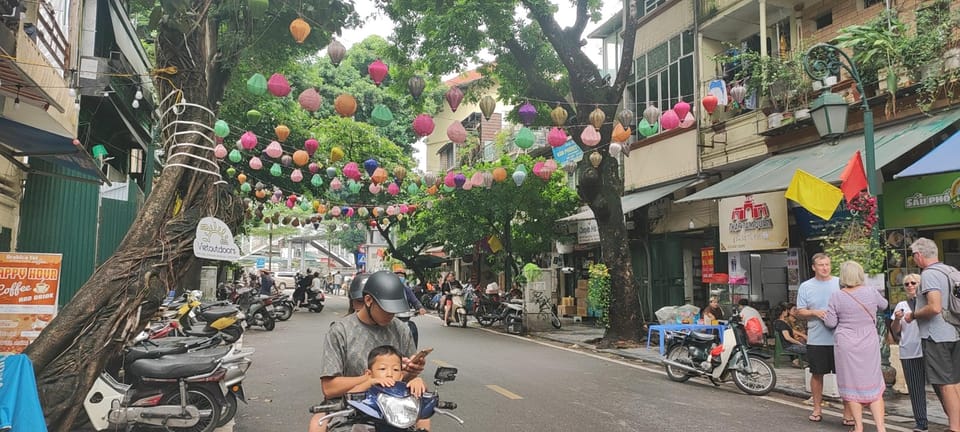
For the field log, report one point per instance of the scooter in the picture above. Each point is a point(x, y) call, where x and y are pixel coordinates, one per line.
point(701, 354)
point(387, 409)
point(315, 299)
point(196, 319)
point(257, 309)
point(458, 310)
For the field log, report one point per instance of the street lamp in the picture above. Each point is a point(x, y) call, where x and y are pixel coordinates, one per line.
point(829, 111)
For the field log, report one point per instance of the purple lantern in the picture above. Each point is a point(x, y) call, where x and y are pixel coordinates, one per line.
point(527, 113)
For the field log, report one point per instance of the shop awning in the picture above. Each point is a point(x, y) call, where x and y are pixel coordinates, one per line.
point(943, 158)
point(37, 143)
point(827, 160)
point(635, 200)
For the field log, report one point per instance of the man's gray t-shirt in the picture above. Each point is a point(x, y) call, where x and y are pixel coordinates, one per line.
point(935, 328)
point(815, 294)
point(349, 342)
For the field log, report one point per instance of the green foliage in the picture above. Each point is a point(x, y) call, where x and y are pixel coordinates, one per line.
point(531, 272)
point(778, 78)
point(876, 44)
point(598, 292)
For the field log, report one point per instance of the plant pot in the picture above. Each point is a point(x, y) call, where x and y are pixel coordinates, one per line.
point(830, 81)
point(801, 114)
point(774, 120)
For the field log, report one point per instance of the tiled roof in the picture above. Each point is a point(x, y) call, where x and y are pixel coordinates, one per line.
point(464, 78)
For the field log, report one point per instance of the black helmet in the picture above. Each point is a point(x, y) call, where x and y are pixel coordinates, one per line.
point(356, 286)
point(387, 289)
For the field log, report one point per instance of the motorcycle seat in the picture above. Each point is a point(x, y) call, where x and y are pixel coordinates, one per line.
point(173, 366)
point(703, 337)
point(213, 314)
point(149, 352)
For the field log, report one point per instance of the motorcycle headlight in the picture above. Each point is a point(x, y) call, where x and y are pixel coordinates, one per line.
point(399, 412)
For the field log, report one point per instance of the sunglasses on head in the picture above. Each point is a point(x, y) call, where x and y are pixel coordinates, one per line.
point(909, 283)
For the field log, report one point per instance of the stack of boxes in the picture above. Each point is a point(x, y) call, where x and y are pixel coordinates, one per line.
point(581, 296)
point(567, 307)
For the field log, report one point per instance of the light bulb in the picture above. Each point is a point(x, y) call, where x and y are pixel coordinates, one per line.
point(691, 224)
point(138, 95)
point(136, 104)
point(16, 103)
point(106, 93)
point(72, 92)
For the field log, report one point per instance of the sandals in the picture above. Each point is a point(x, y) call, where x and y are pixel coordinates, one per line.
point(816, 418)
point(849, 422)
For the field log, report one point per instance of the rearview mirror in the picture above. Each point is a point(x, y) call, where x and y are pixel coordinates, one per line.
point(445, 373)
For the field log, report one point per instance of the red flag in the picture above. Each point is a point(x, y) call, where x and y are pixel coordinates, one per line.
point(852, 179)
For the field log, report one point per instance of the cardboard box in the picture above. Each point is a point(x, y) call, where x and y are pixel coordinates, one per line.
point(568, 301)
point(582, 283)
point(566, 310)
point(581, 311)
point(581, 292)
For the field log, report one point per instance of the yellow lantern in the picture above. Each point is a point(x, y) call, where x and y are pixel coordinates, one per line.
point(597, 117)
point(595, 159)
point(282, 132)
point(300, 29)
point(559, 116)
point(336, 154)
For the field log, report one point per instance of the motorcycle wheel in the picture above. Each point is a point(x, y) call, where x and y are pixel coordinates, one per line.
point(232, 333)
point(266, 319)
point(462, 318)
point(229, 409)
point(677, 353)
point(760, 382)
point(514, 325)
point(555, 321)
point(483, 317)
point(284, 312)
point(209, 408)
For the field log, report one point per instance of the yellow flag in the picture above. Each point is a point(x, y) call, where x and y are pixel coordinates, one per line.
point(495, 245)
point(815, 195)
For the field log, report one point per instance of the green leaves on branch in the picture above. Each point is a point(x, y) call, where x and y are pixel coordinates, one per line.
point(598, 292)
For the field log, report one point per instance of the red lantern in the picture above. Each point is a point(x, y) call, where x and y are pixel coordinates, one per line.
point(278, 85)
point(423, 125)
point(454, 96)
point(311, 145)
point(457, 133)
point(709, 103)
point(378, 71)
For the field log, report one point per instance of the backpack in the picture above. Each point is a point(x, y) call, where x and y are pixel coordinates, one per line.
point(952, 313)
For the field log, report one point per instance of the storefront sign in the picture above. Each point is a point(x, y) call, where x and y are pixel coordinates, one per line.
point(753, 223)
point(706, 264)
point(215, 241)
point(29, 286)
point(922, 201)
point(587, 231)
point(566, 153)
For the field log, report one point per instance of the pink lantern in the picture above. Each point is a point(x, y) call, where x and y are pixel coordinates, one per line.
point(448, 180)
point(590, 136)
point(311, 146)
point(454, 96)
point(278, 85)
point(392, 211)
point(352, 171)
point(313, 167)
point(220, 151)
point(682, 109)
point(274, 150)
point(687, 121)
point(556, 137)
point(256, 163)
point(477, 178)
point(375, 188)
point(669, 120)
point(350, 211)
point(538, 170)
point(738, 92)
point(291, 203)
point(457, 133)
point(378, 71)
point(248, 140)
point(296, 176)
point(404, 209)
point(423, 125)
point(393, 189)
point(309, 99)
point(335, 211)
point(336, 184)
point(550, 166)
point(467, 186)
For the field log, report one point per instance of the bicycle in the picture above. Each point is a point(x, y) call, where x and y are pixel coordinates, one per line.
point(547, 309)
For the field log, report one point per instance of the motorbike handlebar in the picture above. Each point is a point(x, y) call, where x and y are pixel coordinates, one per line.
point(325, 408)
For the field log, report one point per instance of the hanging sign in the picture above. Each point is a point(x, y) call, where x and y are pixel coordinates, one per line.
point(567, 152)
point(706, 265)
point(29, 287)
point(588, 231)
point(753, 223)
point(215, 241)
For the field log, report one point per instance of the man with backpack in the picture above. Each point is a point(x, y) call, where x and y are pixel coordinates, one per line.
point(939, 338)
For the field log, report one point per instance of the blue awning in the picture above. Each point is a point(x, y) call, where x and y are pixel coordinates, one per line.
point(943, 158)
point(29, 141)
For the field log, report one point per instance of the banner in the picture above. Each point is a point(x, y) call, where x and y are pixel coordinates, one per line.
point(29, 290)
point(753, 223)
point(706, 264)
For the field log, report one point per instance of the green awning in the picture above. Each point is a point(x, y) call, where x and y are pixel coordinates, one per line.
point(636, 199)
point(827, 160)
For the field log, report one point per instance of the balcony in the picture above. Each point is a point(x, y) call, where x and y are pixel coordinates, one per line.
point(734, 20)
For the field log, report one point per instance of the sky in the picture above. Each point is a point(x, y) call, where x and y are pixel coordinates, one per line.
point(377, 24)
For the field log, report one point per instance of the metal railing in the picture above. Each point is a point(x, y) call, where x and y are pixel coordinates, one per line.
point(50, 38)
point(8, 9)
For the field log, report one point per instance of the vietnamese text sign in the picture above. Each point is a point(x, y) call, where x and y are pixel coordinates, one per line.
point(29, 287)
point(568, 152)
point(215, 241)
point(587, 231)
point(922, 201)
point(754, 222)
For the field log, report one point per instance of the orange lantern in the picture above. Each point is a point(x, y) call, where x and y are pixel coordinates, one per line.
point(499, 174)
point(321, 209)
point(300, 29)
point(301, 157)
point(432, 190)
point(379, 176)
point(345, 105)
point(261, 194)
point(242, 178)
point(620, 134)
point(282, 132)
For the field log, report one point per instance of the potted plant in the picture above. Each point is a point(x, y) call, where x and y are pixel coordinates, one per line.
point(876, 47)
point(922, 53)
point(775, 80)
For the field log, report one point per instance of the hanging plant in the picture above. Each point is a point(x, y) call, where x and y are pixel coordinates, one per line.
point(598, 293)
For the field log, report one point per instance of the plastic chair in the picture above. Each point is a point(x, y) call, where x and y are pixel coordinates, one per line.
point(779, 351)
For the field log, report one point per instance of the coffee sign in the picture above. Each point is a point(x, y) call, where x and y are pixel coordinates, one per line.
point(754, 222)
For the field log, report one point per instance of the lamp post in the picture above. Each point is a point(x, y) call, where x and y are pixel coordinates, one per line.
point(829, 111)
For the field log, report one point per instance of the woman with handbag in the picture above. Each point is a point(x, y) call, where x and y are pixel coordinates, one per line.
point(852, 311)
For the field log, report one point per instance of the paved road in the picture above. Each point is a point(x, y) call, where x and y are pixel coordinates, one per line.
point(509, 383)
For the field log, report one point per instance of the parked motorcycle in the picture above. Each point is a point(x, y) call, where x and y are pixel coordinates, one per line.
point(388, 409)
point(490, 308)
point(205, 320)
point(258, 309)
point(701, 354)
point(315, 299)
point(282, 307)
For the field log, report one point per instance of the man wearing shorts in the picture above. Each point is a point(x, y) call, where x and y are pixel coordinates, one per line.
point(812, 299)
point(941, 351)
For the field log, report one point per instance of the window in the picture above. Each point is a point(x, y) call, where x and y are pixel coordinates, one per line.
point(650, 6)
point(868, 3)
point(665, 74)
point(824, 20)
point(448, 157)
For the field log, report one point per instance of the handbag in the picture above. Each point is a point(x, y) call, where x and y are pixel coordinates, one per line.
point(873, 317)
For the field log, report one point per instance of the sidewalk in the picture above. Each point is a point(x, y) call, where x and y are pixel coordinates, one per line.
point(790, 380)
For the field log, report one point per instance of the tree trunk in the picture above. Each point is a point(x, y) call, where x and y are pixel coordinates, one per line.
point(123, 293)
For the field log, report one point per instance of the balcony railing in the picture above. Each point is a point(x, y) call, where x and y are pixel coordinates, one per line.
point(8, 9)
point(50, 38)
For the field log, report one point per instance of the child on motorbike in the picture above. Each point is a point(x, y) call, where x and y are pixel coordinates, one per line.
point(384, 369)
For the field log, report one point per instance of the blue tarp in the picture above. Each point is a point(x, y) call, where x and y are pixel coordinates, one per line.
point(38, 143)
point(943, 158)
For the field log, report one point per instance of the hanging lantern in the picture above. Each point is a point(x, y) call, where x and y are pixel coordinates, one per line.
point(335, 211)
point(231, 172)
point(550, 165)
point(275, 170)
point(615, 149)
point(257, 84)
point(651, 114)
point(301, 158)
point(521, 167)
point(454, 96)
point(375, 188)
point(527, 113)
point(432, 190)
point(620, 134)
point(336, 184)
point(235, 156)
point(221, 129)
point(457, 133)
point(459, 180)
point(709, 103)
point(487, 179)
point(278, 85)
point(519, 177)
point(316, 180)
point(286, 160)
point(524, 138)
point(393, 189)
point(336, 154)
point(220, 151)
point(669, 120)
point(282, 132)
point(399, 173)
point(261, 194)
point(487, 105)
point(248, 141)
point(423, 125)
point(274, 150)
point(648, 129)
point(299, 29)
point(371, 165)
point(245, 187)
point(477, 179)
point(688, 121)
point(296, 176)
point(381, 115)
point(345, 105)
point(625, 117)
point(352, 171)
point(556, 137)
point(379, 176)
point(313, 167)
point(336, 51)
point(448, 180)
point(412, 189)
point(538, 170)
point(570, 167)
point(430, 178)
point(363, 212)
point(499, 174)
point(598, 117)
point(331, 172)
point(311, 145)
point(681, 108)
point(415, 85)
point(559, 116)
point(255, 163)
point(467, 186)
point(254, 116)
point(354, 186)
point(590, 136)
point(595, 159)
point(310, 100)
point(738, 93)
point(378, 71)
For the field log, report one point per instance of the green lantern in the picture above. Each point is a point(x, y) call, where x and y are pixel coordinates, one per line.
point(524, 138)
point(231, 172)
point(254, 116)
point(306, 205)
point(234, 156)
point(447, 189)
point(99, 151)
point(275, 170)
point(316, 180)
point(354, 187)
point(412, 189)
point(257, 84)
point(381, 115)
point(245, 188)
point(646, 128)
point(521, 167)
point(221, 129)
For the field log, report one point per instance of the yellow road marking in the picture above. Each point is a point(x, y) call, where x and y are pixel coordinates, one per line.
point(506, 393)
